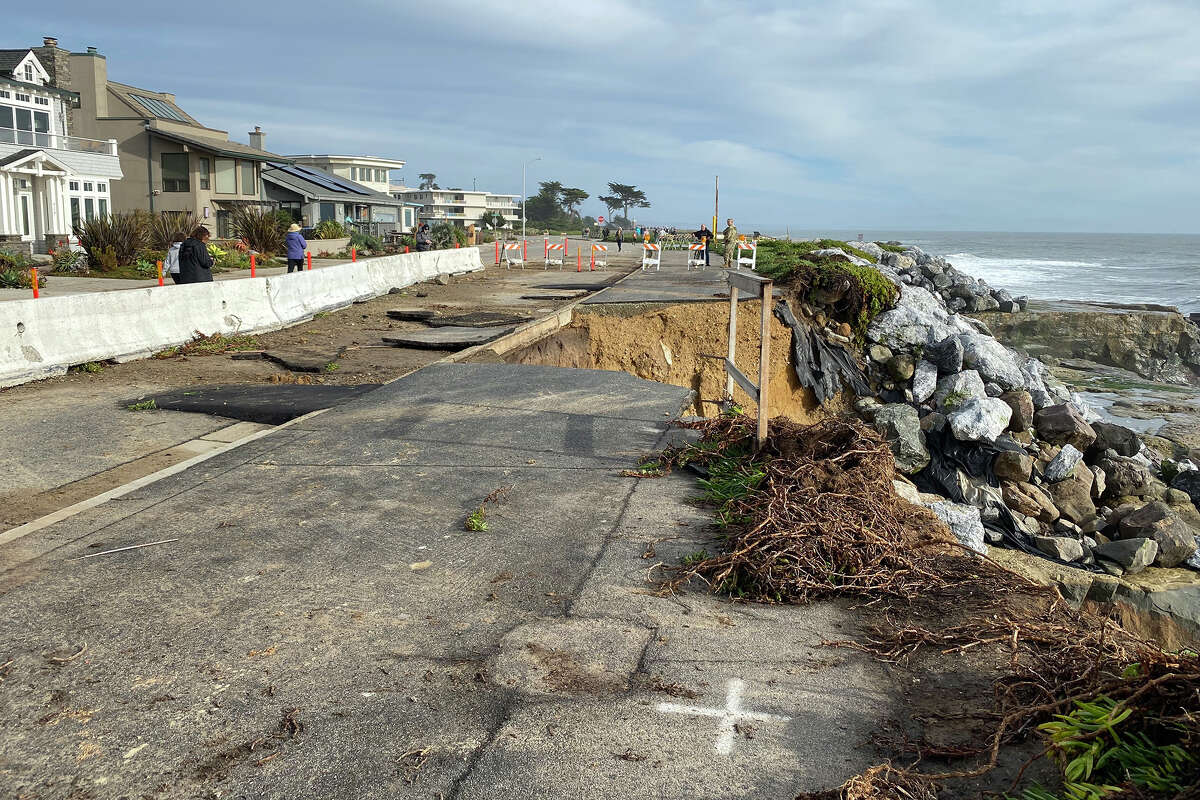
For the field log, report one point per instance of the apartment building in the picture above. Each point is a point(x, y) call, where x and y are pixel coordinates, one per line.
point(458, 206)
point(49, 178)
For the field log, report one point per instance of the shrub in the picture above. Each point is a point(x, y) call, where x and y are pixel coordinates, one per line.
point(227, 259)
point(67, 260)
point(259, 227)
point(365, 243)
point(113, 241)
point(15, 272)
point(445, 235)
point(161, 229)
point(329, 229)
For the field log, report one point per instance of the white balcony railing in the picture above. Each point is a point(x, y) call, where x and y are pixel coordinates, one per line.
point(54, 141)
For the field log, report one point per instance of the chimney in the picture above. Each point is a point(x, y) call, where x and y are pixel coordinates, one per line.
point(88, 73)
point(257, 138)
point(49, 41)
point(92, 51)
point(58, 66)
point(168, 96)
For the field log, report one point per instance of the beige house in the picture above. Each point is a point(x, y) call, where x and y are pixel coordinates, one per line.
point(171, 162)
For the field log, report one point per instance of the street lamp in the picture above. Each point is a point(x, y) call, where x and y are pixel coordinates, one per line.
point(524, 166)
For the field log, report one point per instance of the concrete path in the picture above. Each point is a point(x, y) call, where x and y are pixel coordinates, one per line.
point(322, 626)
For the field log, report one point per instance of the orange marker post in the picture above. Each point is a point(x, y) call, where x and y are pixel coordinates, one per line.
point(160, 280)
point(497, 252)
point(405, 249)
point(354, 254)
point(253, 265)
point(578, 260)
point(308, 257)
point(593, 264)
point(33, 275)
point(525, 250)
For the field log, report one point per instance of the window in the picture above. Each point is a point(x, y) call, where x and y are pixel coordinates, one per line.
point(5, 94)
point(381, 175)
point(249, 184)
point(74, 211)
point(89, 209)
point(101, 187)
point(74, 186)
point(205, 168)
point(226, 176)
point(354, 173)
point(29, 73)
point(87, 187)
point(41, 101)
point(174, 173)
point(327, 212)
point(103, 208)
point(24, 98)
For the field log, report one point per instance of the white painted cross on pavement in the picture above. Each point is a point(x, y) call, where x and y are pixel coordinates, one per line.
point(728, 717)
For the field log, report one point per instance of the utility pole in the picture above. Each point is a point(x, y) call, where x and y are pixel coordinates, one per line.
point(716, 201)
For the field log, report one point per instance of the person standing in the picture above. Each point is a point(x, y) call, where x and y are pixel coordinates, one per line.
point(620, 238)
point(195, 264)
point(295, 248)
point(730, 233)
point(172, 259)
point(705, 236)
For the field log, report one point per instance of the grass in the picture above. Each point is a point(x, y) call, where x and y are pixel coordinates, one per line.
point(211, 345)
point(143, 405)
point(332, 366)
point(477, 521)
point(91, 368)
point(891, 248)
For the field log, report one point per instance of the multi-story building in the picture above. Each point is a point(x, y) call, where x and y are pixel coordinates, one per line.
point(171, 162)
point(372, 172)
point(49, 178)
point(459, 206)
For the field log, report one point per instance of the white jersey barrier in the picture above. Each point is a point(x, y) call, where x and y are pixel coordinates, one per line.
point(651, 256)
point(42, 338)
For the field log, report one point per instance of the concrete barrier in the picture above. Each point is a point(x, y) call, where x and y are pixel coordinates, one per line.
point(42, 338)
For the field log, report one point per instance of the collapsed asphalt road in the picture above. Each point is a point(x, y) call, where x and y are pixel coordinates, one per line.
point(323, 626)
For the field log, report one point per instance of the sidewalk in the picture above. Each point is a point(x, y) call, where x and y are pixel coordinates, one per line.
point(323, 626)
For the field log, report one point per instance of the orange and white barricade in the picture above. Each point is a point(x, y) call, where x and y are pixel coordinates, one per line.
point(555, 254)
point(695, 256)
point(513, 255)
point(599, 255)
point(651, 256)
point(747, 253)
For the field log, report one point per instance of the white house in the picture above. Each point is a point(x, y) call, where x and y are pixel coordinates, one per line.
point(458, 206)
point(49, 180)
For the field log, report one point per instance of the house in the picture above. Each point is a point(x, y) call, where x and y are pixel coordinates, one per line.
point(370, 171)
point(313, 196)
point(172, 163)
point(458, 206)
point(49, 178)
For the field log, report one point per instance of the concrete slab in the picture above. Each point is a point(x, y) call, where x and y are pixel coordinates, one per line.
point(268, 404)
point(411, 314)
point(479, 319)
point(234, 432)
point(283, 646)
point(303, 359)
point(448, 338)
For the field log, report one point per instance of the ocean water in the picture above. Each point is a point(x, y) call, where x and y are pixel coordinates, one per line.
point(1119, 268)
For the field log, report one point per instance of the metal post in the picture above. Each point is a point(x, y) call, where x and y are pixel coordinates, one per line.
point(733, 301)
point(764, 363)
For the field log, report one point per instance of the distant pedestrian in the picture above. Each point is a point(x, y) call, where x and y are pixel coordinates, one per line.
point(620, 238)
point(705, 236)
point(172, 265)
point(195, 264)
point(730, 233)
point(295, 248)
point(424, 240)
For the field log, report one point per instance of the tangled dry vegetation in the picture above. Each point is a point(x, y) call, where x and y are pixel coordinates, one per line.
point(814, 515)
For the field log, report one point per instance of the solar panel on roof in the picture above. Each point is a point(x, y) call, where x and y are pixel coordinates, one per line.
point(336, 182)
point(157, 107)
point(320, 178)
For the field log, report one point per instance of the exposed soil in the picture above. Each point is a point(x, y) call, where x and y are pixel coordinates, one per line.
point(669, 343)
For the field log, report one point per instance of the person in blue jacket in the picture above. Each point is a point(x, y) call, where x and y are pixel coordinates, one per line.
point(295, 248)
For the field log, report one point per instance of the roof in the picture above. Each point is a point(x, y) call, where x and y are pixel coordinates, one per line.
point(33, 152)
point(151, 105)
point(218, 146)
point(318, 185)
point(9, 59)
point(20, 155)
point(377, 161)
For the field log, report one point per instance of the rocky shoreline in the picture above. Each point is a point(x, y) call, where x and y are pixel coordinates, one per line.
point(995, 443)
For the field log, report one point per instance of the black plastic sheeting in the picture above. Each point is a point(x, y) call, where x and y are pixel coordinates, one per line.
point(819, 365)
point(947, 456)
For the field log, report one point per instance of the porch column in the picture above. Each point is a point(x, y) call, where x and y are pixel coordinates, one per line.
point(40, 222)
point(6, 199)
point(64, 205)
point(51, 206)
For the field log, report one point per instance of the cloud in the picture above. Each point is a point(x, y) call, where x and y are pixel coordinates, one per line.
point(865, 113)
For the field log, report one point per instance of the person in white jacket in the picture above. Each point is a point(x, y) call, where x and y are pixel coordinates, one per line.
point(171, 267)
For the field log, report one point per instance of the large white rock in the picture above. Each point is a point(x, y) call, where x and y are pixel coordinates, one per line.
point(874, 250)
point(980, 419)
point(964, 522)
point(954, 390)
point(992, 360)
point(919, 318)
point(924, 381)
point(1063, 464)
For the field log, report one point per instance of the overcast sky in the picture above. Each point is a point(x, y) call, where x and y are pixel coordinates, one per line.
point(856, 114)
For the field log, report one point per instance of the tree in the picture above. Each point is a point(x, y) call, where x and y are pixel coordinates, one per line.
point(628, 196)
point(428, 181)
point(493, 220)
point(612, 203)
point(571, 198)
point(552, 191)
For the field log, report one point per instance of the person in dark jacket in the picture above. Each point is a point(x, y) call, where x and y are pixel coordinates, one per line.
point(705, 236)
point(620, 238)
point(195, 264)
point(295, 248)
point(424, 240)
